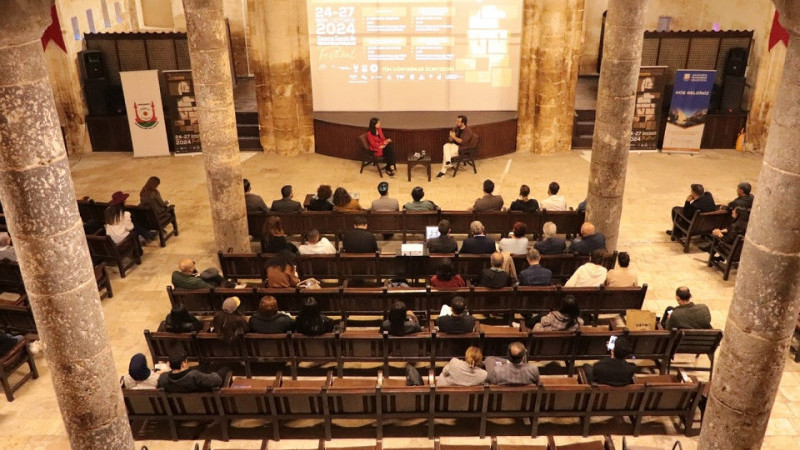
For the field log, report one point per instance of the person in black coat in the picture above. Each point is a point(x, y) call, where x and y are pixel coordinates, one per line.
point(494, 277)
point(458, 322)
point(321, 201)
point(614, 371)
point(551, 245)
point(444, 243)
point(359, 240)
point(523, 203)
point(268, 319)
point(698, 200)
point(478, 243)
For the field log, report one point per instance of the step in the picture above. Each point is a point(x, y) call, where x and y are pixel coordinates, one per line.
point(250, 143)
point(247, 130)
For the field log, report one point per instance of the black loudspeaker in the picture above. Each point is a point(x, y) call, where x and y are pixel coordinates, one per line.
point(736, 62)
point(92, 65)
point(98, 97)
point(732, 94)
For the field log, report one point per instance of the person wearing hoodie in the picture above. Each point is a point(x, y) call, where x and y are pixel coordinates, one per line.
point(140, 376)
point(591, 274)
point(268, 319)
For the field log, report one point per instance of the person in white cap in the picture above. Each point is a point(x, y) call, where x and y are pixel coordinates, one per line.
point(230, 323)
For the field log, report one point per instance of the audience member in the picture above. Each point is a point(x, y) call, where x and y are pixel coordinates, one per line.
point(698, 200)
point(286, 204)
point(444, 243)
point(551, 244)
point(8, 342)
point(738, 227)
point(322, 201)
point(478, 243)
point(140, 376)
point(418, 204)
point(512, 371)
point(310, 321)
point(343, 202)
point(118, 199)
point(188, 278)
point(252, 202)
point(614, 371)
point(589, 241)
point(494, 277)
point(380, 146)
point(553, 202)
point(182, 379)
point(463, 373)
point(151, 198)
point(384, 203)
point(282, 270)
point(446, 276)
point(535, 274)
point(401, 321)
point(315, 245)
point(179, 320)
point(6, 249)
point(455, 318)
point(229, 323)
point(268, 320)
point(460, 138)
point(581, 207)
point(686, 314)
point(523, 203)
point(622, 276)
point(516, 243)
point(591, 274)
point(359, 240)
point(567, 318)
point(118, 223)
point(743, 198)
point(488, 202)
point(275, 238)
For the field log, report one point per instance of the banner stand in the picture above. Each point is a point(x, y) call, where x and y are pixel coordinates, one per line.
point(688, 111)
point(183, 108)
point(145, 113)
point(647, 112)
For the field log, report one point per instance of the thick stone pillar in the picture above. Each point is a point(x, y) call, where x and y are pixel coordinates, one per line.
point(616, 97)
point(280, 61)
point(766, 298)
point(550, 53)
point(39, 201)
point(211, 70)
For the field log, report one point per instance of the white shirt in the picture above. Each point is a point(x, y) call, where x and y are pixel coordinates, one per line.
point(121, 229)
point(323, 247)
point(588, 275)
point(554, 203)
point(515, 246)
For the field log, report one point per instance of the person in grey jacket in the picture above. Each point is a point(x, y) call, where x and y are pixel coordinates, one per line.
point(253, 202)
point(182, 379)
point(512, 371)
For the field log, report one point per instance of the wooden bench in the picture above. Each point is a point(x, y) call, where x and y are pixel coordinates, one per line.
point(730, 254)
point(696, 342)
point(699, 225)
point(13, 360)
point(146, 218)
point(11, 277)
point(17, 318)
point(103, 249)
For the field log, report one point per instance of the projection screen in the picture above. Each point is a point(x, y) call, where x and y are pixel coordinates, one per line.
point(415, 55)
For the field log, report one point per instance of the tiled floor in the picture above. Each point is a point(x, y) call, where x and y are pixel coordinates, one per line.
point(655, 183)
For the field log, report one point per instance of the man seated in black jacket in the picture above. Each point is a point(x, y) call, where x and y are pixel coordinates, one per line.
point(551, 244)
point(359, 240)
point(457, 322)
point(268, 319)
point(614, 371)
point(698, 200)
point(744, 198)
point(494, 277)
point(286, 204)
point(444, 243)
point(181, 378)
point(478, 242)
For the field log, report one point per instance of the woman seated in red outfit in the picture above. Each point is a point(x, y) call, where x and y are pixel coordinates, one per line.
point(380, 145)
point(446, 276)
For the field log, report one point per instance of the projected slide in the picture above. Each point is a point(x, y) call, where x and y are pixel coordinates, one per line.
point(414, 55)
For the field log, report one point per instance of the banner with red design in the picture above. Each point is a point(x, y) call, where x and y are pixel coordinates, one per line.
point(145, 113)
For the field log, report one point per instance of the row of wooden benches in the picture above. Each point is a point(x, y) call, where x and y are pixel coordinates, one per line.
point(377, 267)
point(269, 405)
point(347, 301)
point(359, 345)
point(94, 212)
point(414, 222)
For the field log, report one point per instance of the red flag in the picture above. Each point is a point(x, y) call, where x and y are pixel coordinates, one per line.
point(778, 33)
point(53, 32)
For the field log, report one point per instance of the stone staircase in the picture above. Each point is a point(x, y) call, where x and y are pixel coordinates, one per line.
point(583, 128)
point(247, 130)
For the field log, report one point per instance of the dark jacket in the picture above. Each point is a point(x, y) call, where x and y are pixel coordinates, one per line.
point(704, 203)
point(535, 275)
point(464, 323)
point(409, 327)
point(551, 246)
point(531, 205)
point(190, 380)
point(442, 244)
point(359, 240)
point(313, 326)
point(286, 205)
point(7, 342)
point(478, 245)
point(254, 203)
point(320, 205)
point(613, 372)
point(690, 315)
point(279, 323)
point(745, 201)
point(493, 279)
point(276, 244)
point(588, 244)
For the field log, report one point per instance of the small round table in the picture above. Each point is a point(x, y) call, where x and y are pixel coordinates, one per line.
point(424, 161)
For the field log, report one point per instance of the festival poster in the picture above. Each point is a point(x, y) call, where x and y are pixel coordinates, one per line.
point(145, 113)
point(688, 110)
point(183, 108)
point(647, 113)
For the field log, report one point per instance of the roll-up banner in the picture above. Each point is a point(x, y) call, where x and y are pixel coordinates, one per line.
point(145, 113)
point(183, 109)
point(647, 114)
point(688, 110)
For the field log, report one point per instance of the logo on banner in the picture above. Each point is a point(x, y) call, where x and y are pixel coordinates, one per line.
point(145, 115)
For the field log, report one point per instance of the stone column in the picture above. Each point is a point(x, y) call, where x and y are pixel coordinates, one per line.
point(616, 97)
point(550, 49)
point(280, 61)
point(39, 201)
point(766, 298)
point(211, 70)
